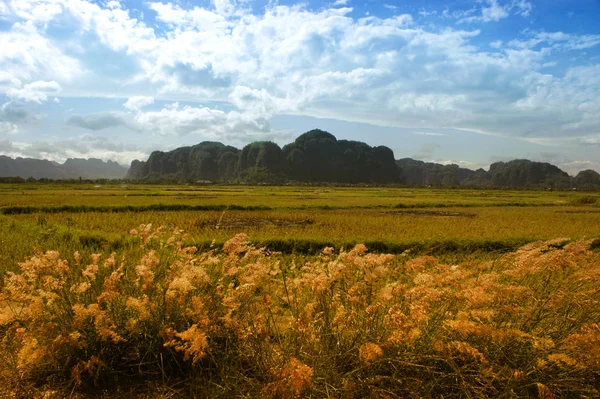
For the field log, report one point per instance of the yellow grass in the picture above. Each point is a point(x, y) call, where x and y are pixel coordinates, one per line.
point(245, 322)
point(349, 225)
point(89, 307)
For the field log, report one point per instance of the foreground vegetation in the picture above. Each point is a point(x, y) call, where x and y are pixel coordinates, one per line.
point(242, 321)
point(458, 293)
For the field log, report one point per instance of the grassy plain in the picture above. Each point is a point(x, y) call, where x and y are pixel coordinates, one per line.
point(292, 219)
point(204, 315)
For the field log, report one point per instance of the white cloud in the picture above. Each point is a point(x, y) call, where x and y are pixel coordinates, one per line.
point(36, 92)
point(576, 95)
point(13, 113)
point(27, 54)
point(225, 7)
point(41, 12)
point(3, 10)
point(208, 122)
point(294, 60)
point(491, 11)
point(557, 40)
point(174, 120)
point(113, 4)
point(8, 81)
point(591, 140)
point(8, 128)
point(6, 146)
point(494, 12)
point(198, 18)
point(114, 26)
point(138, 102)
point(85, 146)
point(258, 103)
point(523, 7)
point(572, 167)
point(340, 2)
point(103, 147)
point(327, 64)
point(426, 13)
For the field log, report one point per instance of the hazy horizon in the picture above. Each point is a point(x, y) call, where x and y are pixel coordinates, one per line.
point(469, 82)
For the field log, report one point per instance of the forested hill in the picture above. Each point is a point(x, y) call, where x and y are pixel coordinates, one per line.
point(516, 173)
point(315, 156)
point(73, 168)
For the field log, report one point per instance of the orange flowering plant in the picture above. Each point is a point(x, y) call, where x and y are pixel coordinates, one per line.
point(345, 323)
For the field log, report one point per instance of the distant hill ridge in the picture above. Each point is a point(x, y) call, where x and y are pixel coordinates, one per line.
point(315, 156)
point(318, 156)
point(73, 168)
point(516, 173)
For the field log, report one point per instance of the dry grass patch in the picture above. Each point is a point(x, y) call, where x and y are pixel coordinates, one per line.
point(242, 321)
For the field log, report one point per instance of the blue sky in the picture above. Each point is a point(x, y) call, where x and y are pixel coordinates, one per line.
point(465, 81)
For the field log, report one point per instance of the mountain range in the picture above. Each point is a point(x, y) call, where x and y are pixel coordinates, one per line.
point(73, 168)
point(315, 156)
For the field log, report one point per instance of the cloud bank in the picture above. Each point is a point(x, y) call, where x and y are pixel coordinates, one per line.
point(327, 62)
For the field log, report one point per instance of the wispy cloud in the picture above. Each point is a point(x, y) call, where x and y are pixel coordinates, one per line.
point(430, 134)
point(490, 11)
point(138, 102)
point(99, 121)
point(427, 13)
point(557, 40)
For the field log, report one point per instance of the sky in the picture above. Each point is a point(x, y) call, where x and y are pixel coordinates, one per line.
point(470, 82)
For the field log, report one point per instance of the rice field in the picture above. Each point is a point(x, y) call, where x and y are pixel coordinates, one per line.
point(293, 219)
point(272, 196)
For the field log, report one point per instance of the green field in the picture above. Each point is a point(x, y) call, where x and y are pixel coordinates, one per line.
point(442, 303)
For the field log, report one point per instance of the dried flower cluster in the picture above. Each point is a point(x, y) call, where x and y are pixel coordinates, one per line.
point(342, 324)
